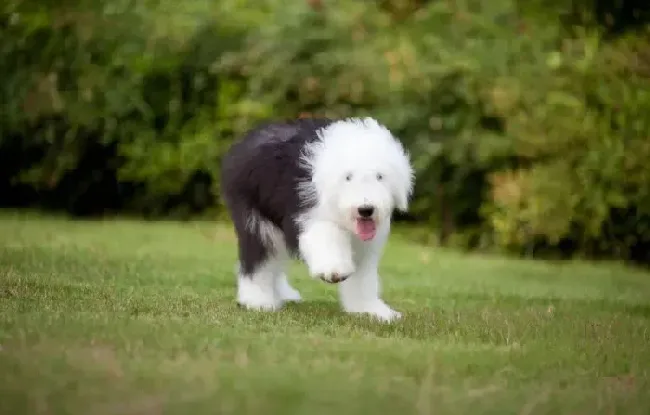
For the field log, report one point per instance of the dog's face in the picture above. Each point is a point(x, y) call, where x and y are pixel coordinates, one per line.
point(361, 174)
point(366, 199)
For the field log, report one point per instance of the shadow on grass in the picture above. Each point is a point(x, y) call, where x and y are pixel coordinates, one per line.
point(99, 296)
point(434, 322)
point(328, 313)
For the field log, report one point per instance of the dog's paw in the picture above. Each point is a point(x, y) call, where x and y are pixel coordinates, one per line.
point(255, 297)
point(333, 278)
point(386, 314)
point(258, 303)
point(286, 292)
point(332, 272)
point(380, 311)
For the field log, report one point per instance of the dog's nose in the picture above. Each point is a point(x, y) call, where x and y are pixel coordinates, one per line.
point(366, 211)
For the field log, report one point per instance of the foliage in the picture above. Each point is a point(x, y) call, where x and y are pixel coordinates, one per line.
point(526, 120)
point(128, 87)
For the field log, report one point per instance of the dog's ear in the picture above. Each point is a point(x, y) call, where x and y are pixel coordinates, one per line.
point(401, 201)
point(402, 195)
point(403, 185)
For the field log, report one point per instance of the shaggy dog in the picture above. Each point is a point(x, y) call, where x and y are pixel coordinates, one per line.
point(321, 190)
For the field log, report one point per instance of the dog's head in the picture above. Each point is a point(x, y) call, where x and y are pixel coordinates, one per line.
point(360, 173)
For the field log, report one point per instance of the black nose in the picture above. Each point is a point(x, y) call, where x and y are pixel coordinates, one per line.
point(366, 211)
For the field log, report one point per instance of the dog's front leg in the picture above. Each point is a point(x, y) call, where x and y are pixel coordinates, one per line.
point(327, 251)
point(361, 292)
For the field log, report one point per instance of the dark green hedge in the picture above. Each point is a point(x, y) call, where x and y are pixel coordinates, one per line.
point(527, 120)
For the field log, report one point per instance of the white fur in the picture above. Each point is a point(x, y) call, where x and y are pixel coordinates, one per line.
point(356, 162)
point(327, 249)
point(270, 235)
point(361, 292)
point(345, 165)
point(362, 149)
point(269, 288)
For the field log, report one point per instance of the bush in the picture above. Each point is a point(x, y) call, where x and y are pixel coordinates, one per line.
point(113, 105)
point(586, 142)
point(526, 120)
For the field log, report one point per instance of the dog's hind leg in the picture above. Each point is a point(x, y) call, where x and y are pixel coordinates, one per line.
point(262, 282)
point(284, 290)
point(256, 286)
point(257, 270)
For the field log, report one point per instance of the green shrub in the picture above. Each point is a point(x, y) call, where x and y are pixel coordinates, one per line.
point(587, 142)
point(121, 100)
point(527, 121)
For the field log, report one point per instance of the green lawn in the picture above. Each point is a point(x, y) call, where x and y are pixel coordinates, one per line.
point(126, 317)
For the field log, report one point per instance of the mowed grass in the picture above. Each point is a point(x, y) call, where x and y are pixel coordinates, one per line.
point(127, 317)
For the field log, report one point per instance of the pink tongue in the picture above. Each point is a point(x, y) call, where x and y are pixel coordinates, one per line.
point(366, 229)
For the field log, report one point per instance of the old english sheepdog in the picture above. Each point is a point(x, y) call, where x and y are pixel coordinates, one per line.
point(320, 190)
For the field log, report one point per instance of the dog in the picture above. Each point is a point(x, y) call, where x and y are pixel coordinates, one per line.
point(320, 190)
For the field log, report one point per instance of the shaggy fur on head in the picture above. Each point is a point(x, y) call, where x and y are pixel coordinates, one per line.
point(320, 190)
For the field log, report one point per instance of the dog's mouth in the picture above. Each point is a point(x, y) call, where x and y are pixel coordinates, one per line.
point(366, 228)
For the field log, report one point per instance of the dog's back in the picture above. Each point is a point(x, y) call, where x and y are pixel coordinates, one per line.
point(260, 172)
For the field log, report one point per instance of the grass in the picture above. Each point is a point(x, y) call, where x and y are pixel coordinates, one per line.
point(127, 317)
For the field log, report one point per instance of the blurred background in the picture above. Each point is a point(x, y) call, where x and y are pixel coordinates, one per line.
point(528, 121)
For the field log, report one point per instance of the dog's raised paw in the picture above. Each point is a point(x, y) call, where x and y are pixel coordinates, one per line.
point(333, 278)
point(332, 272)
